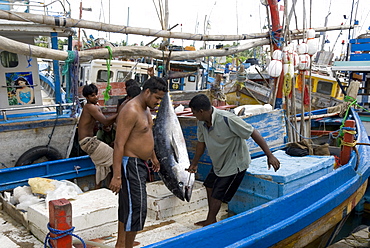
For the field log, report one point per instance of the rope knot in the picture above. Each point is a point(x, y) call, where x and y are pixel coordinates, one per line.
point(62, 233)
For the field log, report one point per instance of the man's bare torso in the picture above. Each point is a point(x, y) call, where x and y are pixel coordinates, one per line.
point(140, 141)
point(87, 122)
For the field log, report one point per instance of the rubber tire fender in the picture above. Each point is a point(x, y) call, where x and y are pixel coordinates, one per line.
point(35, 153)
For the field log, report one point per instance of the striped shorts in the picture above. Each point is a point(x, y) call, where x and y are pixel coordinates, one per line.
point(132, 199)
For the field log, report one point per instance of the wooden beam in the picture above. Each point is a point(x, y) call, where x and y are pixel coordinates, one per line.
point(107, 27)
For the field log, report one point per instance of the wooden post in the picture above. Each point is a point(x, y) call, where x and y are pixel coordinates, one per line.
point(60, 218)
point(346, 150)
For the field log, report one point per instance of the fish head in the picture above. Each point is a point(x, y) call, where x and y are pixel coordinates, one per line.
point(188, 187)
point(185, 189)
point(188, 191)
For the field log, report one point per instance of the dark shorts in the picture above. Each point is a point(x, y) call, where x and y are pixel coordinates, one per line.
point(223, 188)
point(132, 196)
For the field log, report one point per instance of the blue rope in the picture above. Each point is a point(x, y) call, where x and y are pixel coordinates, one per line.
point(349, 128)
point(58, 232)
point(275, 39)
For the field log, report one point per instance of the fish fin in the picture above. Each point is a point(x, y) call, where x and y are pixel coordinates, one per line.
point(175, 148)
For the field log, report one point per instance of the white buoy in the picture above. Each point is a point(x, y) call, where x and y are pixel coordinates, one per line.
point(277, 54)
point(274, 68)
point(312, 46)
point(310, 33)
point(304, 62)
point(295, 60)
point(302, 48)
point(287, 55)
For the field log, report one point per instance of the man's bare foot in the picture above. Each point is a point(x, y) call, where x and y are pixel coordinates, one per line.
point(203, 223)
point(200, 223)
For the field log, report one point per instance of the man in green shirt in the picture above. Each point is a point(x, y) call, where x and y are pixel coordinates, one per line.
point(224, 134)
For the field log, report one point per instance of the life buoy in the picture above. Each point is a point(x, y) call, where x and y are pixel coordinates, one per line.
point(35, 153)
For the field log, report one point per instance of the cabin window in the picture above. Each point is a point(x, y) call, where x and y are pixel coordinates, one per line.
point(123, 76)
point(103, 76)
point(9, 59)
point(191, 78)
point(175, 80)
point(324, 87)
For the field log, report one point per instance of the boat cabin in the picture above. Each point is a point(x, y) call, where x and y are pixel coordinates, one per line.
point(187, 75)
point(120, 71)
point(20, 83)
point(29, 130)
point(358, 66)
point(326, 91)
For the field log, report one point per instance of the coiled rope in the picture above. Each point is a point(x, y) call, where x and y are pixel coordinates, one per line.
point(62, 234)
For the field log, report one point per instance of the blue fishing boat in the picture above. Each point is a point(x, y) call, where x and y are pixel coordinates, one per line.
point(302, 205)
point(37, 117)
point(357, 67)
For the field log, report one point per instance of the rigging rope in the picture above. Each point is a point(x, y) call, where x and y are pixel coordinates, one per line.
point(74, 87)
point(72, 66)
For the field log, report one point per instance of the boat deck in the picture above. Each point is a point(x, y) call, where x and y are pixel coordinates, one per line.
point(13, 234)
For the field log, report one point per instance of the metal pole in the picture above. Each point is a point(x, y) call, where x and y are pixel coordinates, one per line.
point(128, 19)
point(79, 30)
point(58, 95)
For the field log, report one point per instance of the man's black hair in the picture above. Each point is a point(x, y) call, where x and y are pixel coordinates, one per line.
point(199, 102)
point(155, 84)
point(131, 82)
point(133, 91)
point(89, 90)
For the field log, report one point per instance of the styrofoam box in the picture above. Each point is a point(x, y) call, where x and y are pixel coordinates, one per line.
point(163, 204)
point(261, 185)
point(94, 215)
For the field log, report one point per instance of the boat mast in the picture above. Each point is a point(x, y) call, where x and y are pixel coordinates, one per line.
point(276, 28)
point(349, 31)
point(324, 33)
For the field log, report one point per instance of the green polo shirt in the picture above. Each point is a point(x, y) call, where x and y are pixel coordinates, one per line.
point(226, 142)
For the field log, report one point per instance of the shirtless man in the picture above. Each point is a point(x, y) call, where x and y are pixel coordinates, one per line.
point(101, 154)
point(132, 91)
point(133, 146)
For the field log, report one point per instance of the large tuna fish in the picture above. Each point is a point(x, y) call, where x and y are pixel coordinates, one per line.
point(170, 148)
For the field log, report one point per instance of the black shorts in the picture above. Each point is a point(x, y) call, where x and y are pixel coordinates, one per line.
point(223, 188)
point(132, 198)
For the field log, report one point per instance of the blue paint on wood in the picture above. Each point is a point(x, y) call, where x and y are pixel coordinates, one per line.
point(278, 219)
point(261, 185)
point(271, 125)
point(359, 57)
point(360, 47)
point(35, 122)
point(354, 41)
point(62, 169)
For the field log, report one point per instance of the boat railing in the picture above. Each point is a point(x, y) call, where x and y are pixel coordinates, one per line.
point(4, 111)
point(36, 6)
